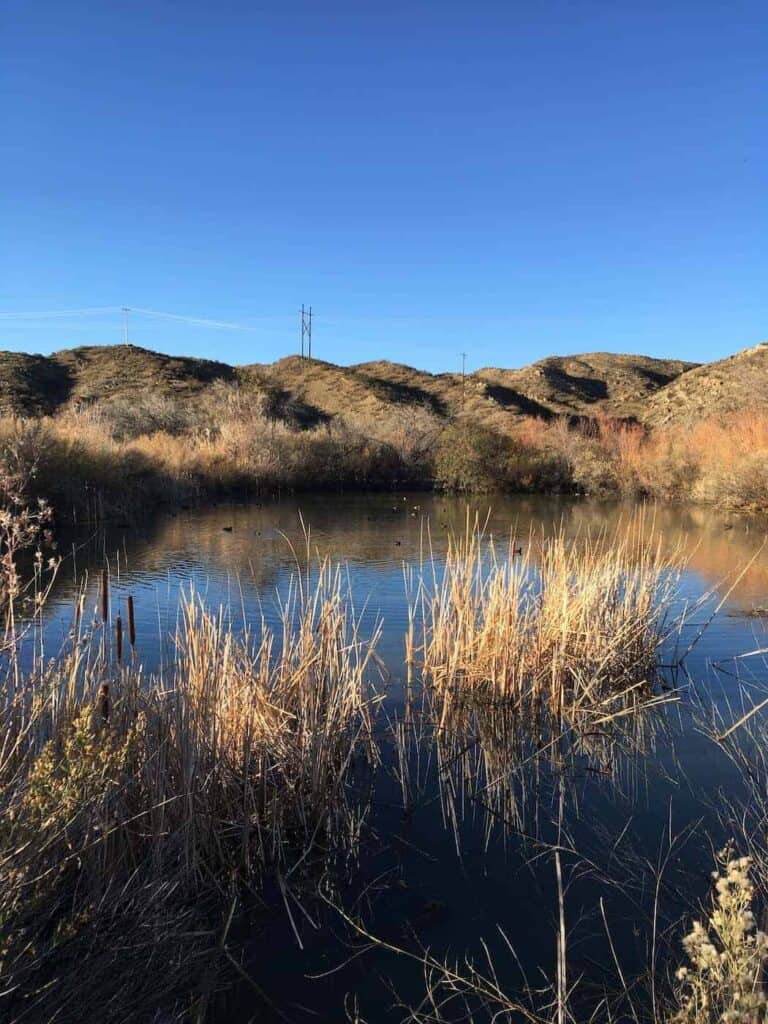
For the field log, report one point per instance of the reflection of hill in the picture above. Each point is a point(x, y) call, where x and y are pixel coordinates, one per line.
point(256, 543)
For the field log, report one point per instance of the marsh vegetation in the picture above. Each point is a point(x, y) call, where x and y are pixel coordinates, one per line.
point(114, 458)
point(292, 782)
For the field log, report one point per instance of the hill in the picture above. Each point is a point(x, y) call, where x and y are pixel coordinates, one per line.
point(307, 392)
point(581, 386)
point(33, 385)
point(616, 385)
point(712, 389)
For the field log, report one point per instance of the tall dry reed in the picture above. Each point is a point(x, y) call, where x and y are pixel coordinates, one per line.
point(573, 624)
point(123, 795)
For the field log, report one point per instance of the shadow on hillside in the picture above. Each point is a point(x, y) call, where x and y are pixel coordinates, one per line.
point(588, 389)
point(41, 385)
point(508, 397)
point(404, 394)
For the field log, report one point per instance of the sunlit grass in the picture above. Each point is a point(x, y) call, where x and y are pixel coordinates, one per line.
point(575, 625)
point(239, 759)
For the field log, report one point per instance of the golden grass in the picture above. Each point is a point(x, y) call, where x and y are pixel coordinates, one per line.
point(546, 621)
point(90, 463)
point(237, 760)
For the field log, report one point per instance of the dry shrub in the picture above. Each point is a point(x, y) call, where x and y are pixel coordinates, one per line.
point(244, 757)
point(727, 955)
point(94, 461)
point(408, 432)
point(470, 459)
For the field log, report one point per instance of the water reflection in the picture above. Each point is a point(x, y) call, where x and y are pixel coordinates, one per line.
point(431, 870)
point(238, 555)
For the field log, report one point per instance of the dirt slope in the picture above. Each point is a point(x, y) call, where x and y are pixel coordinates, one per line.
point(712, 389)
point(617, 385)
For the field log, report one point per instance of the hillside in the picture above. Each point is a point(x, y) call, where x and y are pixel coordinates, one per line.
point(712, 389)
point(583, 385)
point(31, 385)
point(307, 392)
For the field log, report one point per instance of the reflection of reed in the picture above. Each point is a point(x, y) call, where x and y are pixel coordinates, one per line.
point(363, 530)
point(535, 664)
point(485, 754)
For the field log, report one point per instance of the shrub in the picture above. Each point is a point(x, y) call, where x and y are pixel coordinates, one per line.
point(727, 954)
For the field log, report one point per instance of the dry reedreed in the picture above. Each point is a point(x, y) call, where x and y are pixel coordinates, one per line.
point(573, 625)
point(241, 758)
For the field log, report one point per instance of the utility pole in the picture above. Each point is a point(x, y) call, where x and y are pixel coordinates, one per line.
point(126, 311)
point(463, 378)
point(306, 330)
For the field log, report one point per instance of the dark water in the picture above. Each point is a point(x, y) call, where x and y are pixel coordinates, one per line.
point(450, 870)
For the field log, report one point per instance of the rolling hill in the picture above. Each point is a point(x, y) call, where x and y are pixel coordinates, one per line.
point(616, 385)
point(652, 391)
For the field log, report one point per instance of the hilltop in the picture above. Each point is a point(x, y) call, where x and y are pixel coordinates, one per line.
point(313, 391)
point(34, 385)
point(713, 389)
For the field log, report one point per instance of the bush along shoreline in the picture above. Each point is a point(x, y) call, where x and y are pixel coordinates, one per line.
point(106, 460)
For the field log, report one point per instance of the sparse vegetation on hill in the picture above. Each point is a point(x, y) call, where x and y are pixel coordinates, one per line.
point(714, 389)
point(579, 385)
point(116, 428)
point(601, 382)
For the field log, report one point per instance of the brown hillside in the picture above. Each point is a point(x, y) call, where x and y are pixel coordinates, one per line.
point(617, 385)
point(713, 389)
point(30, 385)
point(307, 392)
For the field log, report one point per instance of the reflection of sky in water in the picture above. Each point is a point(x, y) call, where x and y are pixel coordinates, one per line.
point(247, 570)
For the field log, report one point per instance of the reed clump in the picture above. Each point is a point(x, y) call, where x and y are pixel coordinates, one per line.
point(570, 625)
point(132, 803)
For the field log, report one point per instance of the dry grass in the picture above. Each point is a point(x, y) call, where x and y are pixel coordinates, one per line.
point(717, 461)
point(132, 427)
point(573, 626)
point(124, 800)
point(727, 954)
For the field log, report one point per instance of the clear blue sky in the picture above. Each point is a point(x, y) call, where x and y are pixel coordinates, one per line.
point(512, 179)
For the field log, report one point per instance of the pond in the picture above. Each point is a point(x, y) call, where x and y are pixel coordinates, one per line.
point(443, 864)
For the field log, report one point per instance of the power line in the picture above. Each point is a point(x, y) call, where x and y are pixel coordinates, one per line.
point(194, 321)
point(51, 313)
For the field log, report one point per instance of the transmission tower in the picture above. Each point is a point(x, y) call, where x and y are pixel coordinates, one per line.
point(126, 311)
point(306, 331)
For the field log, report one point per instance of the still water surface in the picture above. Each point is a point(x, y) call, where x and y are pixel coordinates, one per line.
point(431, 878)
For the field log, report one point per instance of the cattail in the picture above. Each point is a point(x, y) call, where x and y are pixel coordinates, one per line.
point(119, 637)
point(104, 595)
point(103, 702)
point(131, 622)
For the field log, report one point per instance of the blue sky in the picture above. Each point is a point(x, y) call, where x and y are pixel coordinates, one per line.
point(510, 179)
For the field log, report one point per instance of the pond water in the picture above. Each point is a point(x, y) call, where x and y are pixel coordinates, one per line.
point(453, 869)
